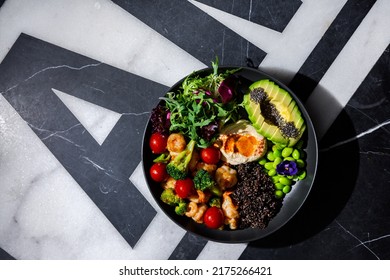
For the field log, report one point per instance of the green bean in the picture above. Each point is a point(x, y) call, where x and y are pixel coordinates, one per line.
point(287, 152)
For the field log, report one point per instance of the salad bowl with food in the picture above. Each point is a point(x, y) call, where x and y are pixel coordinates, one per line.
point(229, 154)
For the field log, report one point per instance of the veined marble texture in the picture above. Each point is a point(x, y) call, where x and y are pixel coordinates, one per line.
point(78, 80)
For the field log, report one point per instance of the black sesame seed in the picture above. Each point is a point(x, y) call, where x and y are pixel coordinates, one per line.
point(257, 95)
point(271, 114)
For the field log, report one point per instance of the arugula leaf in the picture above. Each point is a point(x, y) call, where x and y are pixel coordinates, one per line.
point(198, 104)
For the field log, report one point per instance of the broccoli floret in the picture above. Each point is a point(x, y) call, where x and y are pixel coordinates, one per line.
point(204, 181)
point(169, 197)
point(181, 208)
point(178, 167)
point(215, 201)
point(164, 158)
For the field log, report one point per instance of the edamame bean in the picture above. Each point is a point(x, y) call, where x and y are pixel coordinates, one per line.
point(279, 194)
point(279, 186)
point(289, 158)
point(277, 161)
point(263, 161)
point(286, 189)
point(276, 147)
point(277, 153)
point(269, 165)
point(296, 154)
point(270, 156)
point(300, 163)
point(287, 152)
point(302, 175)
point(275, 179)
point(285, 181)
point(272, 172)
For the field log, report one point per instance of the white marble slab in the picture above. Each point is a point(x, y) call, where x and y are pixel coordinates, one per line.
point(100, 30)
point(44, 214)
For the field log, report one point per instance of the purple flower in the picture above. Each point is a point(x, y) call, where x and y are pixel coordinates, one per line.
point(226, 89)
point(287, 168)
point(160, 119)
point(208, 131)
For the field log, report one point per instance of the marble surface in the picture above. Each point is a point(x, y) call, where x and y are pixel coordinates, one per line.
point(78, 80)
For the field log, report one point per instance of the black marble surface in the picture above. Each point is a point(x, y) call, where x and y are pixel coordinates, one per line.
point(347, 214)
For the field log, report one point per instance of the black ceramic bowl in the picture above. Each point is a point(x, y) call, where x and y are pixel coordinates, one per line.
point(292, 201)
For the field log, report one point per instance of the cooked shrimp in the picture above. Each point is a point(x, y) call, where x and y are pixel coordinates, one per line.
point(229, 210)
point(226, 177)
point(176, 143)
point(198, 217)
point(169, 184)
point(200, 197)
point(192, 209)
point(210, 168)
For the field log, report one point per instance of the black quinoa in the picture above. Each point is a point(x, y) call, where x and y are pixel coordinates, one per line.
point(255, 196)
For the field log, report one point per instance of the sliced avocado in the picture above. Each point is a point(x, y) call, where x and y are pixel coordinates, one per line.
point(274, 113)
point(253, 110)
point(267, 130)
point(293, 141)
point(280, 96)
point(259, 84)
point(277, 137)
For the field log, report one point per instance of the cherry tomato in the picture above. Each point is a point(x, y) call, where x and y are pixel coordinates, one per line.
point(213, 218)
point(158, 172)
point(158, 143)
point(184, 188)
point(210, 155)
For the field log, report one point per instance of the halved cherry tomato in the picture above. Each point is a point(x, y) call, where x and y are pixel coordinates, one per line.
point(158, 172)
point(184, 188)
point(158, 143)
point(213, 217)
point(210, 155)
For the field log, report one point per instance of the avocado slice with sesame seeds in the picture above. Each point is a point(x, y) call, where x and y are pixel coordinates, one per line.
point(274, 113)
